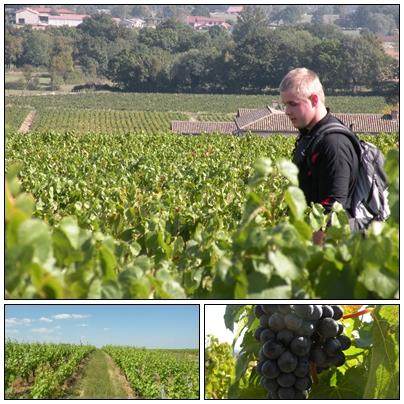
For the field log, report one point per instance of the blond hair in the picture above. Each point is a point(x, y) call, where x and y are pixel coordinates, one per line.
point(304, 82)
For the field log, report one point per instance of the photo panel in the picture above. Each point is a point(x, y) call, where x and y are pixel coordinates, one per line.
point(102, 351)
point(301, 351)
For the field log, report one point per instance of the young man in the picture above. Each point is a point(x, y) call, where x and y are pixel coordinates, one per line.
point(328, 173)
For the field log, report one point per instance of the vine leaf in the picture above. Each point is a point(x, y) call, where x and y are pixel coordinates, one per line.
point(383, 379)
point(336, 385)
point(232, 315)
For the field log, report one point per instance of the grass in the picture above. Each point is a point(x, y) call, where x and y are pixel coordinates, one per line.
point(100, 380)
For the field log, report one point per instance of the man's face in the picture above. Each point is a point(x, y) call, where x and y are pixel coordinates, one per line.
point(300, 111)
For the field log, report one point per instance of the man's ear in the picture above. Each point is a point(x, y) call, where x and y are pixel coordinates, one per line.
point(314, 99)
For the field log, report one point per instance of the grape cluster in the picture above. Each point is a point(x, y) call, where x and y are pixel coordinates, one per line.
point(294, 340)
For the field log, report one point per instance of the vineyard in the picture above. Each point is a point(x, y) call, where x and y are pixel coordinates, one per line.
point(209, 103)
point(307, 351)
point(15, 116)
point(108, 121)
point(40, 370)
point(149, 113)
point(165, 216)
point(43, 371)
point(159, 373)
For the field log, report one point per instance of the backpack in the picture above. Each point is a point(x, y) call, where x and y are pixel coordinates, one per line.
point(370, 196)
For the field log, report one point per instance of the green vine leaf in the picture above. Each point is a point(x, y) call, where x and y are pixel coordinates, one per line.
point(383, 378)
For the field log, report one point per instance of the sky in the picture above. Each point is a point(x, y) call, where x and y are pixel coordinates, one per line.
point(150, 326)
point(214, 325)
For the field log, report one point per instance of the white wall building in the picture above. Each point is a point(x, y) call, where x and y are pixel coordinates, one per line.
point(133, 22)
point(30, 16)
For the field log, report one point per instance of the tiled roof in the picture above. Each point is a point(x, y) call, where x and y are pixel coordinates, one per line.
point(370, 123)
point(361, 123)
point(77, 17)
point(268, 120)
point(193, 128)
point(192, 19)
point(49, 9)
point(235, 9)
point(255, 115)
point(272, 123)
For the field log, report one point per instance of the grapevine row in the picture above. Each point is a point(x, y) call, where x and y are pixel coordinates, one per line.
point(41, 367)
point(212, 103)
point(192, 219)
point(158, 373)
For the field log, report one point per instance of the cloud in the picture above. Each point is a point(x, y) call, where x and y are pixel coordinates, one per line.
point(106, 329)
point(69, 316)
point(12, 322)
point(27, 321)
point(12, 331)
point(45, 319)
point(42, 330)
point(83, 325)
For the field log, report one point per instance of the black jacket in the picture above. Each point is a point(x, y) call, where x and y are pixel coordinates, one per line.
point(328, 173)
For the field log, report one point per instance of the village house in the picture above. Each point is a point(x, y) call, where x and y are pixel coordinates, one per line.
point(133, 22)
point(40, 17)
point(201, 22)
point(270, 120)
point(235, 10)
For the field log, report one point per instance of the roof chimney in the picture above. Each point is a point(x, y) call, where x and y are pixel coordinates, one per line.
point(394, 114)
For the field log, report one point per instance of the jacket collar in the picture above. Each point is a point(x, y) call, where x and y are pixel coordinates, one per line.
point(306, 132)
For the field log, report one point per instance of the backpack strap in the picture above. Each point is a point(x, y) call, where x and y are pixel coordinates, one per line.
point(328, 129)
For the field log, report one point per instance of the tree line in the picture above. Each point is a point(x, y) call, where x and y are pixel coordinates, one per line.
point(173, 57)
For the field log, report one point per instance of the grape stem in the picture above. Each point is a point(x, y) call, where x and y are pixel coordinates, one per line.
point(313, 371)
point(358, 313)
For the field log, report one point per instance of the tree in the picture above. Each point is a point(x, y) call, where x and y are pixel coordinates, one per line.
point(219, 37)
point(91, 54)
point(121, 11)
point(36, 50)
point(321, 12)
point(200, 10)
point(176, 12)
point(173, 36)
point(101, 26)
point(363, 59)
point(291, 48)
point(322, 31)
point(252, 21)
point(141, 11)
point(327, 63)
point(373, 17)
point(141, 69)
point(382, 24)
point(13, 47)
point(61, 61)
point(193, 70)
point(289, 15)
point(86, 9)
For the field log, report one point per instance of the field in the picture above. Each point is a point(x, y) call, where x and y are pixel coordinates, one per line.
point(156, 215)
point(44, 371)
point(209, 103)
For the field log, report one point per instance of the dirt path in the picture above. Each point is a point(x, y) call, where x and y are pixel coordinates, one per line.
point(118, 377)
point(102, 379)
point(27, 123)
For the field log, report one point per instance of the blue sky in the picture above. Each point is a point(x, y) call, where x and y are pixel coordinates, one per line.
point(150, 326)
